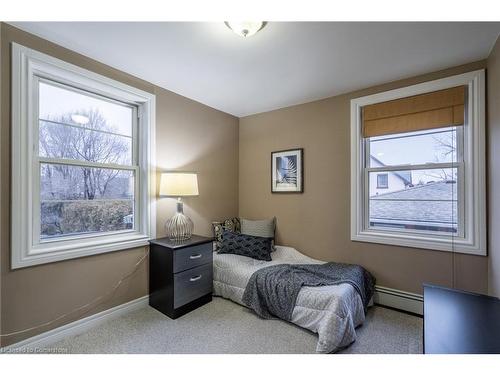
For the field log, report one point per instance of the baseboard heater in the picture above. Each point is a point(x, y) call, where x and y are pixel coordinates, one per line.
point(398, 299)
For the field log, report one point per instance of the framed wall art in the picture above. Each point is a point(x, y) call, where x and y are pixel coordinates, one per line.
point(287, 168)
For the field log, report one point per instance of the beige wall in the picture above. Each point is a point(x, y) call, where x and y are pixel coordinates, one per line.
point(317, 222)
point(493, 85)
point(190, 136)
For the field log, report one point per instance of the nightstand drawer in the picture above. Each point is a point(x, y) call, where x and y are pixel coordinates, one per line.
point(192, 284)
point(192, 256)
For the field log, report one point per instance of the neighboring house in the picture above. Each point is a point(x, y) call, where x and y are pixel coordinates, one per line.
point(431, 206)
point(386, 182)
point(129, 221)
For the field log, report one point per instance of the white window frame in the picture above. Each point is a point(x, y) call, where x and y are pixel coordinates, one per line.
point(471, 239)
point(28, 66)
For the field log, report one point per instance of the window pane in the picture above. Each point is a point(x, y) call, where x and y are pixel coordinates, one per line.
point(66, 142)
point(76, 108)
point(65, 218)
point(430, 146)
point(68, 182)
point(77, 200)
point(415, 200)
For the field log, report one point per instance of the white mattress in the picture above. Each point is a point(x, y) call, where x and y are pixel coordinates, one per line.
point(331, 311)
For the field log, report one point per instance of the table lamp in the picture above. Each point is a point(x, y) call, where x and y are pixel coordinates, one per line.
point(176, 184)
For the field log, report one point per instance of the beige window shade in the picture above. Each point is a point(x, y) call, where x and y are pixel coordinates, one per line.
point(420, 112)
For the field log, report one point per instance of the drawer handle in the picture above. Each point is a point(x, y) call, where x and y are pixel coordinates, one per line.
point(196, 278)
point(197, 256)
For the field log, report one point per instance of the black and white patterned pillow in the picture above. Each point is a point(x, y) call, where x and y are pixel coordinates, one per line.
point(249, 246)
point(232, 225)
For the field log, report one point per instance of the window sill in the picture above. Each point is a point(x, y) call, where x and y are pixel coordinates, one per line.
point(59, 250)
point(420, 242)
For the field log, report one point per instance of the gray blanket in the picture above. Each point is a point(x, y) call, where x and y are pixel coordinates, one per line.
point(272, 291)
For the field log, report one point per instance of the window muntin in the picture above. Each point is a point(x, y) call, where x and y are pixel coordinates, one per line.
point(422, 197)
point(87, 164)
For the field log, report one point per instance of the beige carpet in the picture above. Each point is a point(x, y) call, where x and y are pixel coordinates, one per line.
point(225, 327)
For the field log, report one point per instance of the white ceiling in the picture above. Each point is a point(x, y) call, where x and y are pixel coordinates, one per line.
point(284, 64)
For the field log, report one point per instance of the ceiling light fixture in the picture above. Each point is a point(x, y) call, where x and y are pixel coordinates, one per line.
point(247, 28)
point(80, 119)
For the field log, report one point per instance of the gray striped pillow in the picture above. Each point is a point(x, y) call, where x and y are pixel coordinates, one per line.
point(259, 228)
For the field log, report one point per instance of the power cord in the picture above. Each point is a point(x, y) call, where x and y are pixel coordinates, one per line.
point(101, 298)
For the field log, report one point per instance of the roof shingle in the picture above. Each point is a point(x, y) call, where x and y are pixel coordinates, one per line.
point(434, 202)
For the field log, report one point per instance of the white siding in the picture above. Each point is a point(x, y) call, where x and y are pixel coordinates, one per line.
point(395, 183)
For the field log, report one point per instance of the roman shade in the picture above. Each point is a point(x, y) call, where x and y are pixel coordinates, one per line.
point(420, 112)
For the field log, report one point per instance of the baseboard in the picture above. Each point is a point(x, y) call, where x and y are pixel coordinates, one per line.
point(399, 299)
point(50, 337)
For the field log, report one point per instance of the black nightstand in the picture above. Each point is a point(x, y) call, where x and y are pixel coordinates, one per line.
point(180, 274)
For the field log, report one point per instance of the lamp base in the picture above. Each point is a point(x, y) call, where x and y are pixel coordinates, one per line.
point(179, 227)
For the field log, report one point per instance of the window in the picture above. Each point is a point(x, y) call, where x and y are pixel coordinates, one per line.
point(416, 182)
point(83, 181)
point(87, 165)
point(382, 181)
point(424, 193)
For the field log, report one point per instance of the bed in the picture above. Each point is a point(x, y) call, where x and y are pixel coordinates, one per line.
point(333, 312)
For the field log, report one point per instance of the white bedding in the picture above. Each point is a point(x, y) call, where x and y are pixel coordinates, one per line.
point(331, 311)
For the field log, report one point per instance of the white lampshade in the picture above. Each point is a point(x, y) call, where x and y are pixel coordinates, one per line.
point(174, 184)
